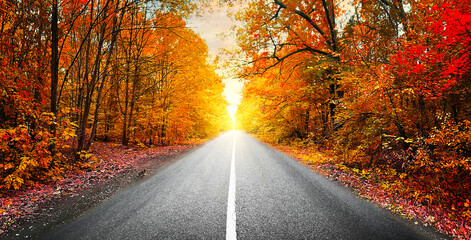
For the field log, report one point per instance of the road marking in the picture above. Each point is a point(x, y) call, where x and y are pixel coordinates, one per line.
point(231, 214)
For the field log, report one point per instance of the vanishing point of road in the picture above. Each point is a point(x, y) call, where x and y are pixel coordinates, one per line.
point(235, 187)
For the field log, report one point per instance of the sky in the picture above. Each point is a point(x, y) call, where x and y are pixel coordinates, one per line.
point(211, 26)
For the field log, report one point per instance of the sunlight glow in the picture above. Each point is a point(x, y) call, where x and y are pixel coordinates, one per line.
point(232, 109)
point(212, 26)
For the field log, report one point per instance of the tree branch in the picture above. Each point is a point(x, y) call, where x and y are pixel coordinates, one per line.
point(307, 18)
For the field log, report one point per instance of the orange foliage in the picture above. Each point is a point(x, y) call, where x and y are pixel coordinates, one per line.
point(125, 68)
point(393, 107)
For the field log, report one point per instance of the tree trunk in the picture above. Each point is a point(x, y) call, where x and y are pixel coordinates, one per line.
point(107, 64)
point(54, 69)
point(124, 137)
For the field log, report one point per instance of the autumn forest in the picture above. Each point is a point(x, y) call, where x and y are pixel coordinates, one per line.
point(379, 89)
point(126, 71)
point(372, 93)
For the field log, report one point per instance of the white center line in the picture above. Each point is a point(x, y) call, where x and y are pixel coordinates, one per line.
point(231, 214)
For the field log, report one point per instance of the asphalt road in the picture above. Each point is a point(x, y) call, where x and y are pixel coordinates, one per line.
point(275, 198)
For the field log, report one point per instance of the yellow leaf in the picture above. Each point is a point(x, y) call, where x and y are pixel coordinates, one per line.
point(8, 166)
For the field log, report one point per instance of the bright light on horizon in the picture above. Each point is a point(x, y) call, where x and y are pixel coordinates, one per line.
point(212, 26)
point(232, 109)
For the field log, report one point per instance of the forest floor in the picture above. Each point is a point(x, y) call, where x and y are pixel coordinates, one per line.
point(33, 211)
point(447, 221)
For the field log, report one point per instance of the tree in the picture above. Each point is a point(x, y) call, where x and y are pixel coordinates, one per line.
point(295, 32)
point(289, 28)
point(24, 125)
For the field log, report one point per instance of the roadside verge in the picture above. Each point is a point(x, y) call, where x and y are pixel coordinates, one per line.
point(39, 209)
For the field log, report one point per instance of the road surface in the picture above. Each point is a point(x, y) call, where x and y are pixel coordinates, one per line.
point(236, 187)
